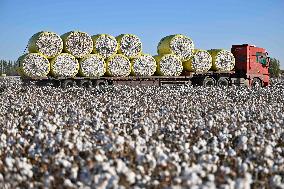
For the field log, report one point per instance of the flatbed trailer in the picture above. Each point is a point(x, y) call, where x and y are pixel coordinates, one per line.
point(210, 78)
point(251, 69)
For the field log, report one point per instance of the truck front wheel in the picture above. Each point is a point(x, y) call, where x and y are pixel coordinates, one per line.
point(256, 83)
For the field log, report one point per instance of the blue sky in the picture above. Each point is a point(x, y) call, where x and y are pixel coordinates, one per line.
point(211, 24)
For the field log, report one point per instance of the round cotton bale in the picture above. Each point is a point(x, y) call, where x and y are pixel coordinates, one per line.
point(77, 43)
point(144, 65)
point(129, 45)
point(180, 45)
point(168, 65)
point(92, 66)
point(64, 65)
point(33, 65)
point(47, 43)
point(118, 65)
point(201, 61)
point(104, 45)
point(222, 60)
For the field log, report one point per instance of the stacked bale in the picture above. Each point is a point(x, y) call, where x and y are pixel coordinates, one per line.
point(64, 65)
point(42, 46)
point(33, 65)
point(47, 43)
point(104, 45)
point(77, 43)
point(118, 65)
point(223, 60)
point(129, 45)
point(180, 45)
point(172, 51)
point(168, 65)
point(70, 54)
point(92, 66)
point(201, 61)
point(144, 65)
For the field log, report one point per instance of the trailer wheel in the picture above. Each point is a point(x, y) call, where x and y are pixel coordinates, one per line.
point(102, 83)
point(223, 82)
point(85, 84)
point(256, 83)
point(68, 84)
point(209, 82)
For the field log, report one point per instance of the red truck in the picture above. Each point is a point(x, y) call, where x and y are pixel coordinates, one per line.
point(252, 64)
point(251, 69)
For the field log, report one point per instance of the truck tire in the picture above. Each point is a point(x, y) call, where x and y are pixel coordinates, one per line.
point(85, 84)
point(209, 82)
point(68, 84)
point(223, 82)
point(256, 83)
point(102, 83)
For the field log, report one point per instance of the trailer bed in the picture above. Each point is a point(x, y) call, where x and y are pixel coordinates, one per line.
point(187, 78)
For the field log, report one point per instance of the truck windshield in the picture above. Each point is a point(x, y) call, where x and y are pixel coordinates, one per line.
point(261, 58)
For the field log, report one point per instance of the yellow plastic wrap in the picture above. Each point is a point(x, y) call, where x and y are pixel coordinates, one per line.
point(129, 45)
point(92, 66)
point(33, 65)
point(77, 43)
point(118, 65)
point(104, 45)
point(144, 65)
point(168, 65)
point(47, 43)
point(222, 60)
point(64, 65)
point(180, 45)
point(201, 61)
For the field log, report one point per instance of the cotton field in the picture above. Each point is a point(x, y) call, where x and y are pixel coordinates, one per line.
point(141, 137)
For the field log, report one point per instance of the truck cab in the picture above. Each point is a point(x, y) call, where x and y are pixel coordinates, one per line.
point(252, 63)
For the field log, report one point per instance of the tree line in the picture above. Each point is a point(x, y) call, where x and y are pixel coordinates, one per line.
point(274, 68)
point(9, 67)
